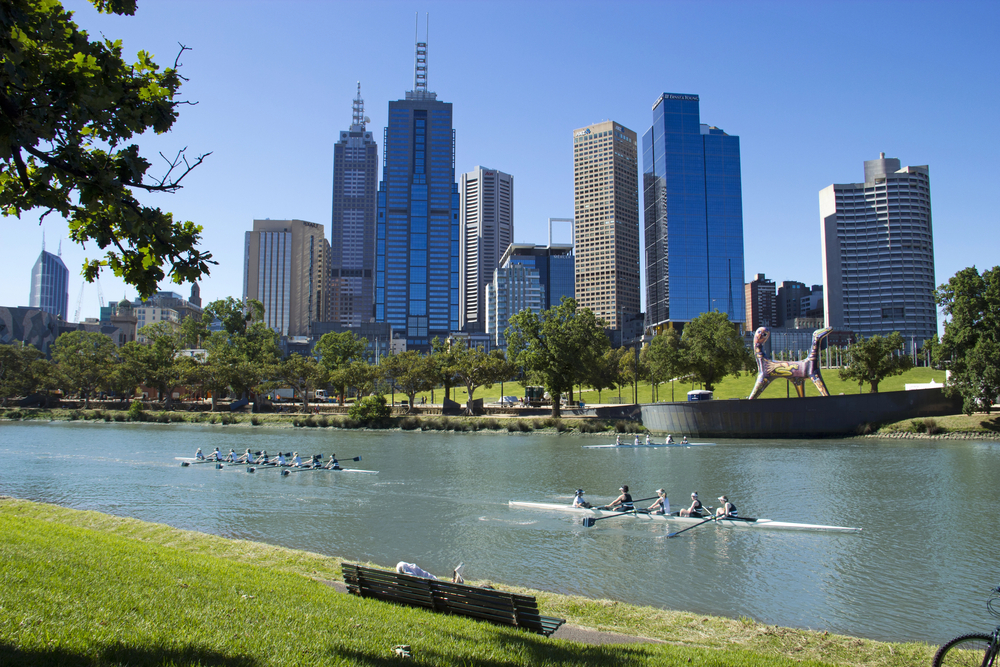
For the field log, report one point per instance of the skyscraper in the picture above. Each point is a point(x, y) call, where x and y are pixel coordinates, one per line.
point(878, 252)
point(606, 227)
point(760, 301)
point(284, 268)
point(693, 216)
point(486, 220)
point(352, 230)
point(49, 289)
point(417, 240)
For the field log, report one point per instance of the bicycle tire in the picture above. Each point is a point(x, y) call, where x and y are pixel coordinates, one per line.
point(966, 651)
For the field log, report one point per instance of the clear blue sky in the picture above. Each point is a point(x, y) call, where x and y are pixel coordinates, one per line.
point(812, 89)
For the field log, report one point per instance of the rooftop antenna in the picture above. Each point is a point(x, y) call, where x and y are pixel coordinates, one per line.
point(420, 64)
point(358, 124)
point(60, 246)
point(43, 240)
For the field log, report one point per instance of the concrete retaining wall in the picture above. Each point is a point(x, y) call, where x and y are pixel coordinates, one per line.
point(795, 417)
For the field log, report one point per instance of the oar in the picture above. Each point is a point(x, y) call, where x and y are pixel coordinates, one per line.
point(640, 500)
point(690, 527)
point(589, 521)
point(304, 469)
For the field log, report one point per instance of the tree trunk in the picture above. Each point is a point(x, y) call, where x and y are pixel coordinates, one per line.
point(556, 404)
point(410, 399)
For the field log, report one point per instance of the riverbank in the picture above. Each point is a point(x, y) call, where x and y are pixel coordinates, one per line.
point(952, 427)
point(89, 588)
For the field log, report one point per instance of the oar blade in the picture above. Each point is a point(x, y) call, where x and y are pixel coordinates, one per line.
point(589, 521)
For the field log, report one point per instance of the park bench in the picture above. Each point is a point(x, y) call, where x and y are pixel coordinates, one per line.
point(445, 597)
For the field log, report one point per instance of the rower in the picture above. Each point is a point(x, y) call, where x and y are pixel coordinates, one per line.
point(695, 509)
point(662, 504)
point(684, 440)
point(198, 456)
point(296, 460)
point(231, 456)
point(333, 464)
point(636, 443)
point(262, 459)
point(215, 456)
point(669, 440)
point(246, 457)
point(578, 500)
point(281, 459)
point(622, 503)
point(618, 440)
point(648, 441)
point(727, 509)
point(316, 461)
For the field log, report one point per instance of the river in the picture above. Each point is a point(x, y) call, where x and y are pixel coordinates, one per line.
point(919, 571)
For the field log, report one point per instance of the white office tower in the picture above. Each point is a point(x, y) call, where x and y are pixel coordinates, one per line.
point(487, 228)
point(878, 252)
point(514, 288)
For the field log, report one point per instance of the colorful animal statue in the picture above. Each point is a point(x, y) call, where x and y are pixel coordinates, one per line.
point(795, 372)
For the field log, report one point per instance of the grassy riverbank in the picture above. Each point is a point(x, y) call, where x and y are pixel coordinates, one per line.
point(83, 588)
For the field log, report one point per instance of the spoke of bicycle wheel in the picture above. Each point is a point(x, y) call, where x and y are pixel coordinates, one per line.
point(967, 652)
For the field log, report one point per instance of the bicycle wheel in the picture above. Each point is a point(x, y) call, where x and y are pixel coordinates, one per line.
point(966, 651)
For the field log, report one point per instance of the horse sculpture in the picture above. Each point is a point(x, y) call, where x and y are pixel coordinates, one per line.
point(795, 372)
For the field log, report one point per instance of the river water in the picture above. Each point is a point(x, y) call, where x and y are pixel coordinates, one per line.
point(919, 571)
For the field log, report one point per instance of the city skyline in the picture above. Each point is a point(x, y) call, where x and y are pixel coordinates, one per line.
point(795, 101)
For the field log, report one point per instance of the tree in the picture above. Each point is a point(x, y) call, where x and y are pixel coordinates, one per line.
point(667, 361)
point(303, 374)
point(336, 351)
point(476, 368)
point(23, 370)
point(442, 365)
point(69, 109)
point(970, 346)
point(559, 346)
point(161, 367)
point(409, 371)
point(606, 374)
point(83, 360)
point(244, 355)
point(358, 374)
point(632, 367)
point(129, 369)
point(713, 348)
point(874, 359)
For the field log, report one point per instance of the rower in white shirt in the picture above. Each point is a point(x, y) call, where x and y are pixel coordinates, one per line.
point(296, 460)
point(281, 459)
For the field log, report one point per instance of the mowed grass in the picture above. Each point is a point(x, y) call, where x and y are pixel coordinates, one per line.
point(82, 588)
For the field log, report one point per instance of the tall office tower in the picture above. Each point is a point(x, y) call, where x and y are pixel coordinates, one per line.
point(283, 268)
point(49, 290)
point(606, 228)
point(693, 216)
point(416, 256)
point(878, 252)
point(760, 300)
point(486, 220)
point(515, 286)
point(789, 301)
point(352, 231)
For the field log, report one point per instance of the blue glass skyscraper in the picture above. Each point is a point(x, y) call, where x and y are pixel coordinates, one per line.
point(417, 229)
point(693, 216)
point(50, 285)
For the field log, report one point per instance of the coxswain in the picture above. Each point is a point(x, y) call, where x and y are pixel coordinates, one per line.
point(695, 509)
point(622, 503)
point(578, 500)
point(198, 456)
point(662, 504)
point(727, 509)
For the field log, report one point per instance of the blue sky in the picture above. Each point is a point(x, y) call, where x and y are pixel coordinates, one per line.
point(811, 88)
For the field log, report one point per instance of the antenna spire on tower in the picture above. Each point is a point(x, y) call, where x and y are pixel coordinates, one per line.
point(420, 63)
point(359, 112)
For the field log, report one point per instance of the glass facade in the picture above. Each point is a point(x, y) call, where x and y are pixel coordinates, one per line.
point(417, 228)
point(693, 218)
point(50, 286)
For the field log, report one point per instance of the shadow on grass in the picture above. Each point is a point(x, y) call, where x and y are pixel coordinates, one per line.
point(119, 654)
point(533, 652)
point(991, 424)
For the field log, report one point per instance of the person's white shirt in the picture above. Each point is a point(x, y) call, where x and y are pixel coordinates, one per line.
point(403, 567)
point(297, 460)
point(647, 439)
point(281, 459)
point(578, 501)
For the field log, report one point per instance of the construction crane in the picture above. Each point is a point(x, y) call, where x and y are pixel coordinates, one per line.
point(100, 293)
point(79, 303)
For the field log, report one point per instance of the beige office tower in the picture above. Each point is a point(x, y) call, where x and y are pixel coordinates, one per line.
point(606, 227)
point(486, 211)
point(284, 267)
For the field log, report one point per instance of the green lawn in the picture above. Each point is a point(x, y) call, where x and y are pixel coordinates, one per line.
point(87, 589)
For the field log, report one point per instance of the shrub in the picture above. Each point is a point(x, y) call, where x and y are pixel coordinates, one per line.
point(336, 422)
point(865, 428)
point(310, 422)
point(214, 419)
point(370, 410)
point(409, 423)
point(519, 426)
point(590, 426)
point(74, 415)
point(324, 421)
point(491, 424)
point(96, 415)
point(255, 420)
point(350, 422)
point(135, 411)
point(119, 417)
point(15, 414)
point(932, 427)
point(561, 426)
point(108, 417)
point(436, 424)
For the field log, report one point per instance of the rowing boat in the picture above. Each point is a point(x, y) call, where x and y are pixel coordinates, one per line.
point(651, 445)
point(734, 522)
